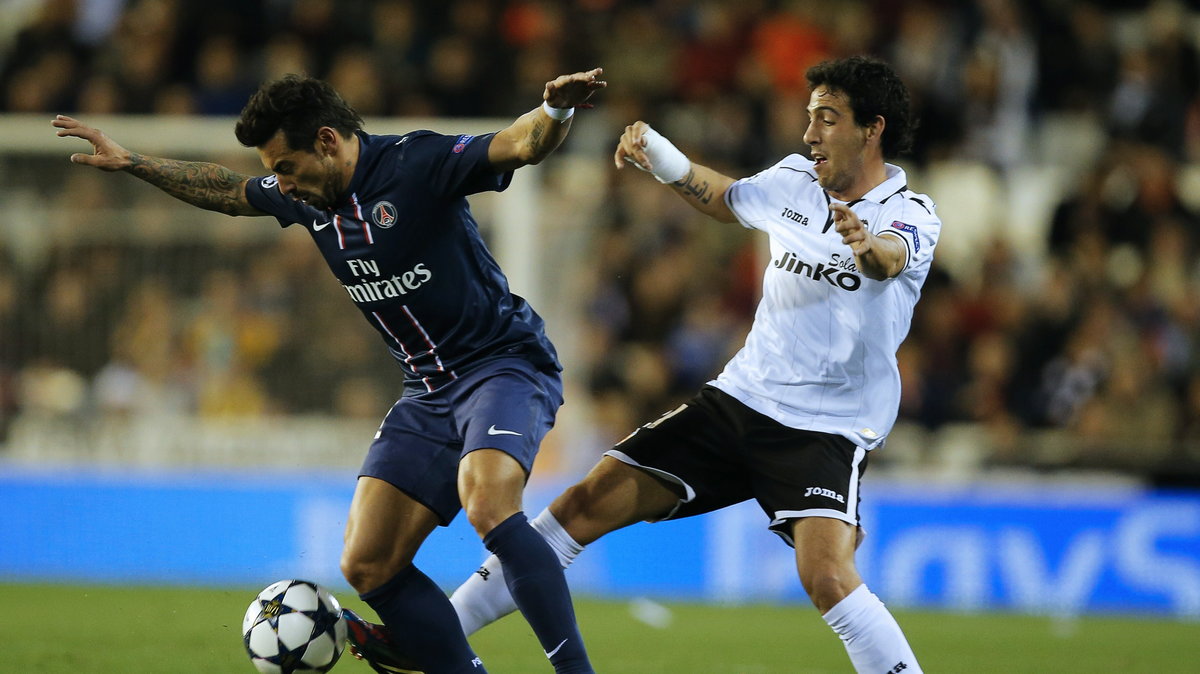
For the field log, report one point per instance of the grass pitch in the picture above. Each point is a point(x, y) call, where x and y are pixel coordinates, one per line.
point(45, 629)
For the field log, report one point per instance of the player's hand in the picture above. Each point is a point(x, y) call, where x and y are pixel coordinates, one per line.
point(573, 91)
point(854, 234)
point(631, 147)
point(106, 154)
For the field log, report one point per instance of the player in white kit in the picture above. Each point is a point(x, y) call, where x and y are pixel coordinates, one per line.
point(791, 419)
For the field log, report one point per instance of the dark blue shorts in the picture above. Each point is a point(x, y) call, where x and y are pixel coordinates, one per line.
point(507, 404)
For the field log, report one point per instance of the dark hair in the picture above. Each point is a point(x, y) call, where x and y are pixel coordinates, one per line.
point(299, 106)
point(873, 89)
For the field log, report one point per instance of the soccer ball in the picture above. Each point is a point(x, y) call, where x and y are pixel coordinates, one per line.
point(294, 626)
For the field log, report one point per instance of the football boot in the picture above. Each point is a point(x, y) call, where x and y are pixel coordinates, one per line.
point(370, 643)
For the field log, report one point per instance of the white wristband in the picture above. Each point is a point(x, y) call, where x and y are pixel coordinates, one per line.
point(670, 165)
point(559, 114)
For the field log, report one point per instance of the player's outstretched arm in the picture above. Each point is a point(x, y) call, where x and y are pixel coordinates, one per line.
point(879, 257)
point(703, 188)
point(203, 184)
point(537, 133)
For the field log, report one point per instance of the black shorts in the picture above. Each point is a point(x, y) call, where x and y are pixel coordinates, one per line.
point(718, 452)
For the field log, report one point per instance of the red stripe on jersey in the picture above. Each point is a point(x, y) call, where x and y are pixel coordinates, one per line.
point(341, 236)
point(403, 351)
point(366, 225)
point(425, 335)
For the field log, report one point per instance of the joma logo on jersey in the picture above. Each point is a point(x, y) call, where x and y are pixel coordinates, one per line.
point(400, 284)
point(794, 216)
point(829, 273)
point(827, 493)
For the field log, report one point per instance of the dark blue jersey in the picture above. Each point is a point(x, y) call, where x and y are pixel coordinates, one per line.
point(404, 245)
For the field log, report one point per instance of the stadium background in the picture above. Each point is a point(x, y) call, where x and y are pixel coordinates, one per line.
point(196, 389)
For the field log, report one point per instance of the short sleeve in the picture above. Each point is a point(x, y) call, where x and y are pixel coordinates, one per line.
point(747, 198)
point(750, 198)
point(456, 166)
point(263, 193)
point(914, 223)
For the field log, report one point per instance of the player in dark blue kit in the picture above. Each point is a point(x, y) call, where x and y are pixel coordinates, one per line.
point(481, 380)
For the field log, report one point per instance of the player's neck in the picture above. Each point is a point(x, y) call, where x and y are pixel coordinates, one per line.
point(872, 176)
point(349, 158)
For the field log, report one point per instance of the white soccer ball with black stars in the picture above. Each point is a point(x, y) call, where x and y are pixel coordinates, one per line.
point(294, 626)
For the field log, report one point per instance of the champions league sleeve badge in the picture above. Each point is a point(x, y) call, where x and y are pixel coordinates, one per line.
point(462, 143)
point(911, 229)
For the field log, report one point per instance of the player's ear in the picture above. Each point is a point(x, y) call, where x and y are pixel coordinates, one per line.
point(328, 141)
point(874, 130)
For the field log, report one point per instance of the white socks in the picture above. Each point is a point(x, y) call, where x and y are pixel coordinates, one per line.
point(484, 598)
point(872, 637)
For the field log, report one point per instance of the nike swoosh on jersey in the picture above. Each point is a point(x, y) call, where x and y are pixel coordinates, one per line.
point(550, 654)
point(499, 431)
point(317, 228)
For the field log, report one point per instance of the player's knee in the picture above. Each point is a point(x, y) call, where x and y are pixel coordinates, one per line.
point(611, 497)
point(365, 572)
point(827, 585)
point(485, 516)
point(577, 504)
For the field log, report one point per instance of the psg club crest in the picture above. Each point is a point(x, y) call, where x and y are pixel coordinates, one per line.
point(384, 214)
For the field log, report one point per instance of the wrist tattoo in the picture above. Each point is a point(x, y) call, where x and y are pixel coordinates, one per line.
point(699, 190)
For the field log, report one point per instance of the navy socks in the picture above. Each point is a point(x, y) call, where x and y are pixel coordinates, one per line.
point(422, 623)
point(535, 579)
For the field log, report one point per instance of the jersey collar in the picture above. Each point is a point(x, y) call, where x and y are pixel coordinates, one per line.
point(896, 180)
point(366, 157)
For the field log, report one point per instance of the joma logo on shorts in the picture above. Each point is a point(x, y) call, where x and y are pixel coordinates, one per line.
point(827, 493)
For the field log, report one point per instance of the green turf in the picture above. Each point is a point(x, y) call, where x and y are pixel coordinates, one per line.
point(118, 630)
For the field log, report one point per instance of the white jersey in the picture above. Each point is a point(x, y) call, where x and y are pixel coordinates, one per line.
point(821, 354)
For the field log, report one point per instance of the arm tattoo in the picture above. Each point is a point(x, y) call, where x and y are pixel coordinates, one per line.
point(690, 187)
point(545, 138)
point(209, 186)
point(535, 135)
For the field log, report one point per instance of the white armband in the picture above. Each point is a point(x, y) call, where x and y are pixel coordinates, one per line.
point(670, 165)
point(557, 114)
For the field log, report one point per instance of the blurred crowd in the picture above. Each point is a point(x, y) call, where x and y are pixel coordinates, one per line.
point(1080, 350)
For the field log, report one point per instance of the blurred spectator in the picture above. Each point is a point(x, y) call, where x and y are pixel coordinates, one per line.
point(1000, 77)
point(354, 74)
point(1089, 335)
point(1078, 55)
point(788, 41)
point(709, 60)
point(221, 86)
point(144, 375)
point(926, 49)
point(45, 48)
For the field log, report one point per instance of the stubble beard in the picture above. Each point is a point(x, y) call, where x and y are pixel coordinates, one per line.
point(835, 183)
point(330, 189)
